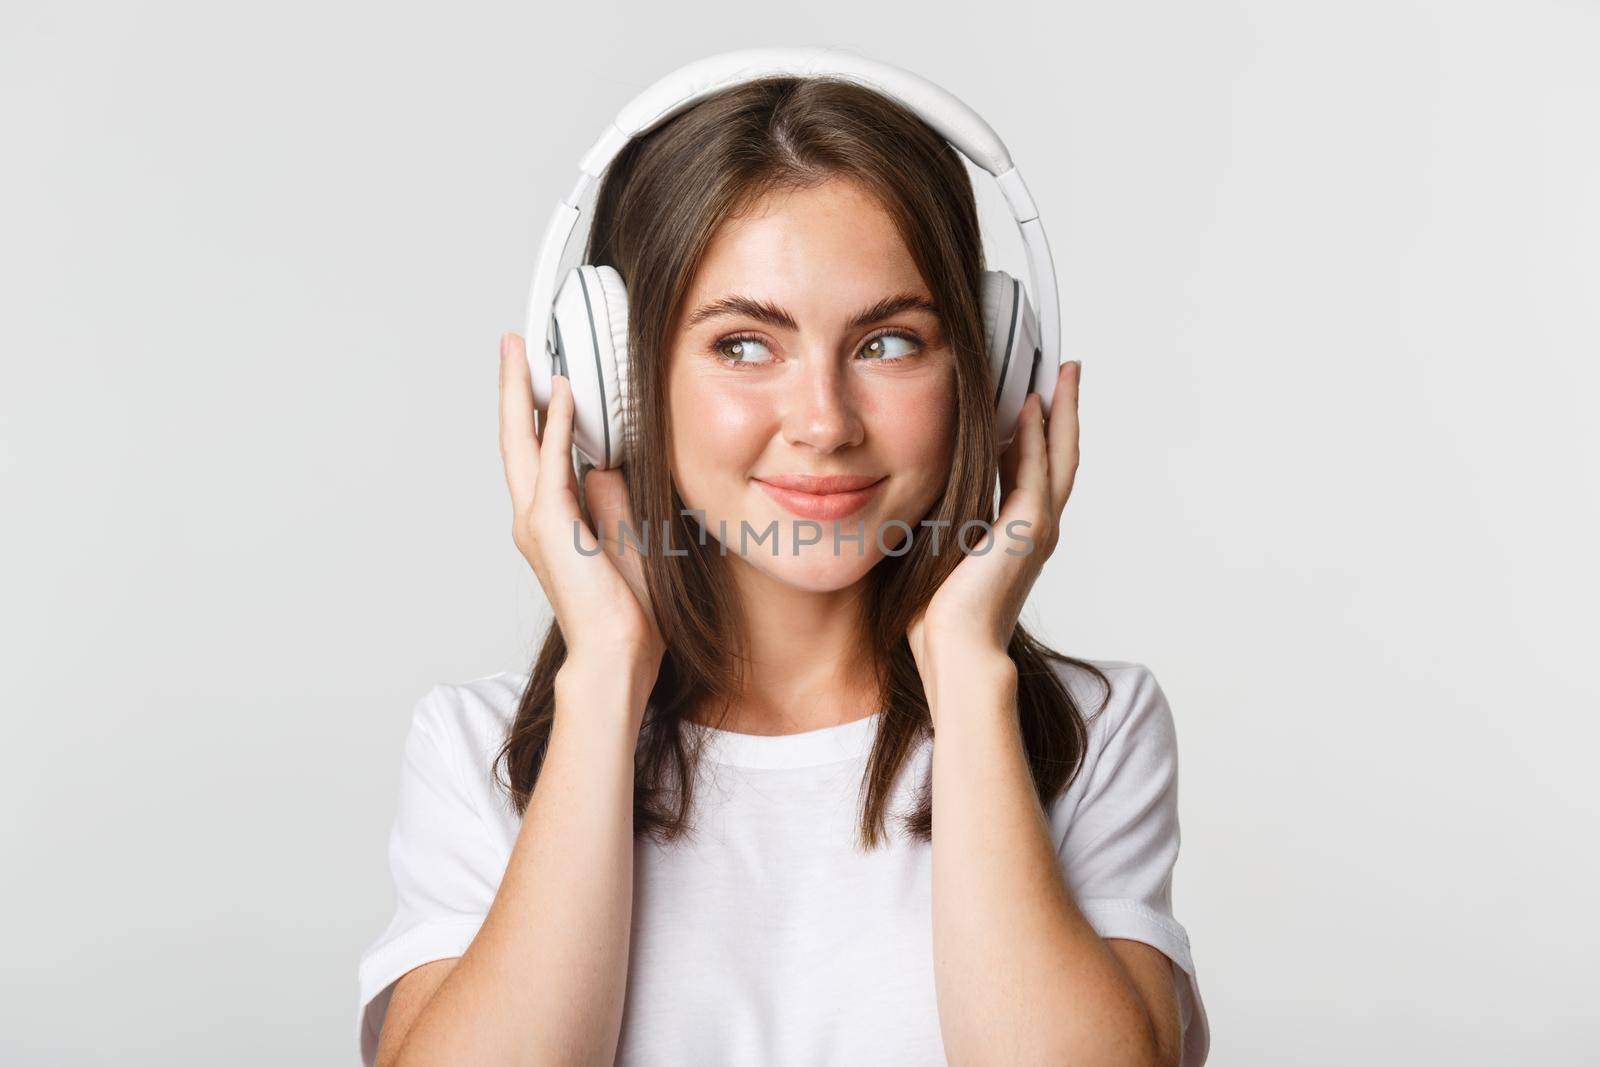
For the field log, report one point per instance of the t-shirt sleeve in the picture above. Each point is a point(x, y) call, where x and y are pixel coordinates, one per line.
point(1121, 840)
point(444, 865)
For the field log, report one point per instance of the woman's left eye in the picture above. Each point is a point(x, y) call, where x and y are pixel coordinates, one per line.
point(880, 349)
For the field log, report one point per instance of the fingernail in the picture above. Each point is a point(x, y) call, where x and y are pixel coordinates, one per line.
point(505, 345)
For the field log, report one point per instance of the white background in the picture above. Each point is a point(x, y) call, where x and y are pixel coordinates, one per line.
point(1332, 271)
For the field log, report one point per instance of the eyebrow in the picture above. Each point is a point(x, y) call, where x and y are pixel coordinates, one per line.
point(772, 315)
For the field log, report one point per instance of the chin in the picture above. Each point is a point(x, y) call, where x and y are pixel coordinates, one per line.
point(823, 567)
point(815, 569)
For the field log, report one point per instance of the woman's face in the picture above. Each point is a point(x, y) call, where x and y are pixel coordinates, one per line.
point(807, 346)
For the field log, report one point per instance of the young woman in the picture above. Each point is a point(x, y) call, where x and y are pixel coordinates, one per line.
point(700, 829)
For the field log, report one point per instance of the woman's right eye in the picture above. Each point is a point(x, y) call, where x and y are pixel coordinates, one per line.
point(739, 351)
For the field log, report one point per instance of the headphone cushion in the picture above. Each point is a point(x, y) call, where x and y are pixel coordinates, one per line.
point(1010, 336)
point(997, 294)
point(614, 297)
point(591, 336)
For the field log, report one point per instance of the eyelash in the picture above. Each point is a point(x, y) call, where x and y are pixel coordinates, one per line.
point(739, 364)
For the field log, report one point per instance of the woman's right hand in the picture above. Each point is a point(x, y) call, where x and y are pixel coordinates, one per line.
point(599, 598)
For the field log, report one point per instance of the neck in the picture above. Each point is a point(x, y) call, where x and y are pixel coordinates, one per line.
point(810, 665)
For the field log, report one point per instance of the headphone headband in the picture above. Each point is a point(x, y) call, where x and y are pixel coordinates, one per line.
point(957, 123)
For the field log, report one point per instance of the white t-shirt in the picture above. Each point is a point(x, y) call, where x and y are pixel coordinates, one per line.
point(768, 938)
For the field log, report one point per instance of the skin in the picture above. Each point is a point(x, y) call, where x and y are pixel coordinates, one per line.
point(822, 397)
point(1020, 975)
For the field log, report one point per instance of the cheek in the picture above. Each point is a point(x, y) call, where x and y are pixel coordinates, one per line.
point(719, 430)
point(915, 424)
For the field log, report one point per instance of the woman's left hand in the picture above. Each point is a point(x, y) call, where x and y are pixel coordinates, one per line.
point(977, 606)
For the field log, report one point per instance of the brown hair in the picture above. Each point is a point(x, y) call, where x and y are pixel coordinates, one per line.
point(657, 208)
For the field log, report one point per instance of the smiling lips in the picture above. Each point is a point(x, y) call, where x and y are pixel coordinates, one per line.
point(820, 496)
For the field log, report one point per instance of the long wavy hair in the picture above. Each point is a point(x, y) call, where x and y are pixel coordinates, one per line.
point(656, 210)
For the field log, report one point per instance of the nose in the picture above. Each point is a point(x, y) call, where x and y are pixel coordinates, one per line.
point(820, 411)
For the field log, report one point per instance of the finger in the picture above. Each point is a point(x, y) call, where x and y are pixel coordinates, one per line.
point(1009, 459)
point(1033, 472)
point(555, 449)
point(519, 448)
point(1063, 434)
point(1029, 499)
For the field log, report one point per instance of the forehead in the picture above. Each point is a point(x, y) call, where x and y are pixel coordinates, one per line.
point(808, 249)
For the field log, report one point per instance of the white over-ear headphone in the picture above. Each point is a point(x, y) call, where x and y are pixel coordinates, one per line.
point(585, 326)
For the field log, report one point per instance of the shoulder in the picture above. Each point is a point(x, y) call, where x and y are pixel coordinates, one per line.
point(1135, 701)
point(462, 714)
point(1133, 735)
point(466, 723)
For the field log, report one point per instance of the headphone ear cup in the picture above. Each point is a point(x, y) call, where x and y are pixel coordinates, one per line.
point(591, 315)
point(1010, 334)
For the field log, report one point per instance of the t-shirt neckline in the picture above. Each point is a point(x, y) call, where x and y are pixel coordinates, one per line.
point(830, 744)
